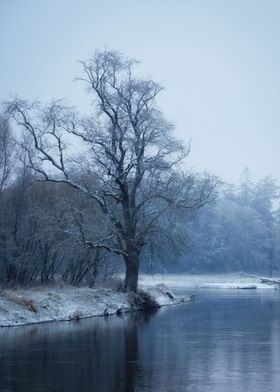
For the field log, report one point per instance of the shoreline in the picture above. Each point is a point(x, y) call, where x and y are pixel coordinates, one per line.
point(204, 281)
point(20, 307)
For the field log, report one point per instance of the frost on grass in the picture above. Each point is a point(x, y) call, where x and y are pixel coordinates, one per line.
point(28, 306)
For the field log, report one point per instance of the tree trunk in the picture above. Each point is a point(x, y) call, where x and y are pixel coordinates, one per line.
point(131, 273)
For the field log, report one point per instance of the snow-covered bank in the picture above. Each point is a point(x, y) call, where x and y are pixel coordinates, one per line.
point(38, 305)
point(211, 281)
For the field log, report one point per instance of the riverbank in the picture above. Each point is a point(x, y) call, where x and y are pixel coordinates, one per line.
point(204, 281)
point(45, 304)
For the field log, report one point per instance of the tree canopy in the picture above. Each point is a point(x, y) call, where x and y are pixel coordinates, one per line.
point(131, 163)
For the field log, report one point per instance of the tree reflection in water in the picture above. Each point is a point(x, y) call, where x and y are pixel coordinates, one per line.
point(89, 355)
point(225, 341)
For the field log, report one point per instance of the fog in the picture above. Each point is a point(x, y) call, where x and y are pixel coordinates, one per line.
point(139, 142)
point(218, 60)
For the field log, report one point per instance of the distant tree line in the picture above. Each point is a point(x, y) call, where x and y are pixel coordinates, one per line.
point(83, 197)
point(50, 231)
point(240, 232)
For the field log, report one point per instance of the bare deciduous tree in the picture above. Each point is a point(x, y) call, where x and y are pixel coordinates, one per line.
point(6, 152)
point(132, 165)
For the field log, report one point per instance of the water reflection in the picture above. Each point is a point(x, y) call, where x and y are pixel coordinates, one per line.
point(225, 341)
point(90, 355)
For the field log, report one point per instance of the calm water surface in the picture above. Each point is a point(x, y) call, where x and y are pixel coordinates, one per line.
point(227, 340)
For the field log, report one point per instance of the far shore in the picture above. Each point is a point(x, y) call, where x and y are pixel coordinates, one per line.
point(204, 281)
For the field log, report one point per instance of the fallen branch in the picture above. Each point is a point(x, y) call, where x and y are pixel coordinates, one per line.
point(264, 279)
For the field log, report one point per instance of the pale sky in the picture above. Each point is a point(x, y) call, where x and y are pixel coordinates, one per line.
point(219, 61)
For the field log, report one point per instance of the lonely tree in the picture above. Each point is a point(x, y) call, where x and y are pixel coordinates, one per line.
point(130, 164)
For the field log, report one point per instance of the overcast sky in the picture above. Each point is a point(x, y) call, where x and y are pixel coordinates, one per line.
point(219, 61)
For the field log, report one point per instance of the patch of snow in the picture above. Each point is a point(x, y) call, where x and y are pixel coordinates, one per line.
point(163, 296)
point(210, 281)
point(38, 305)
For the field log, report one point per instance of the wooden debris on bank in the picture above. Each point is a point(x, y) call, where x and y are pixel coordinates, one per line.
point(270, 281)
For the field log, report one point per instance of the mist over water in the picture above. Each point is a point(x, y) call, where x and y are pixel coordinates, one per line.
point(128, 177)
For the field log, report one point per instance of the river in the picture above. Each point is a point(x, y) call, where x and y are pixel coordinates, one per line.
point(226, 340)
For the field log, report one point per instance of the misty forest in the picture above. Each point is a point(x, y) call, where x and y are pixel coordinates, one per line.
point(139, 196)
point(125, 201)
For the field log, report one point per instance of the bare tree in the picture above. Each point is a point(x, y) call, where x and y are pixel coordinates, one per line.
point(6, 152)
point(131, 162)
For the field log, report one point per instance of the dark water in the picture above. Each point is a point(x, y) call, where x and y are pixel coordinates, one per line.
point(225, 341)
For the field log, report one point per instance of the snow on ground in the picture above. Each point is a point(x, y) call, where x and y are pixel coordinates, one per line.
point(37, 305)
point(211, 281)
